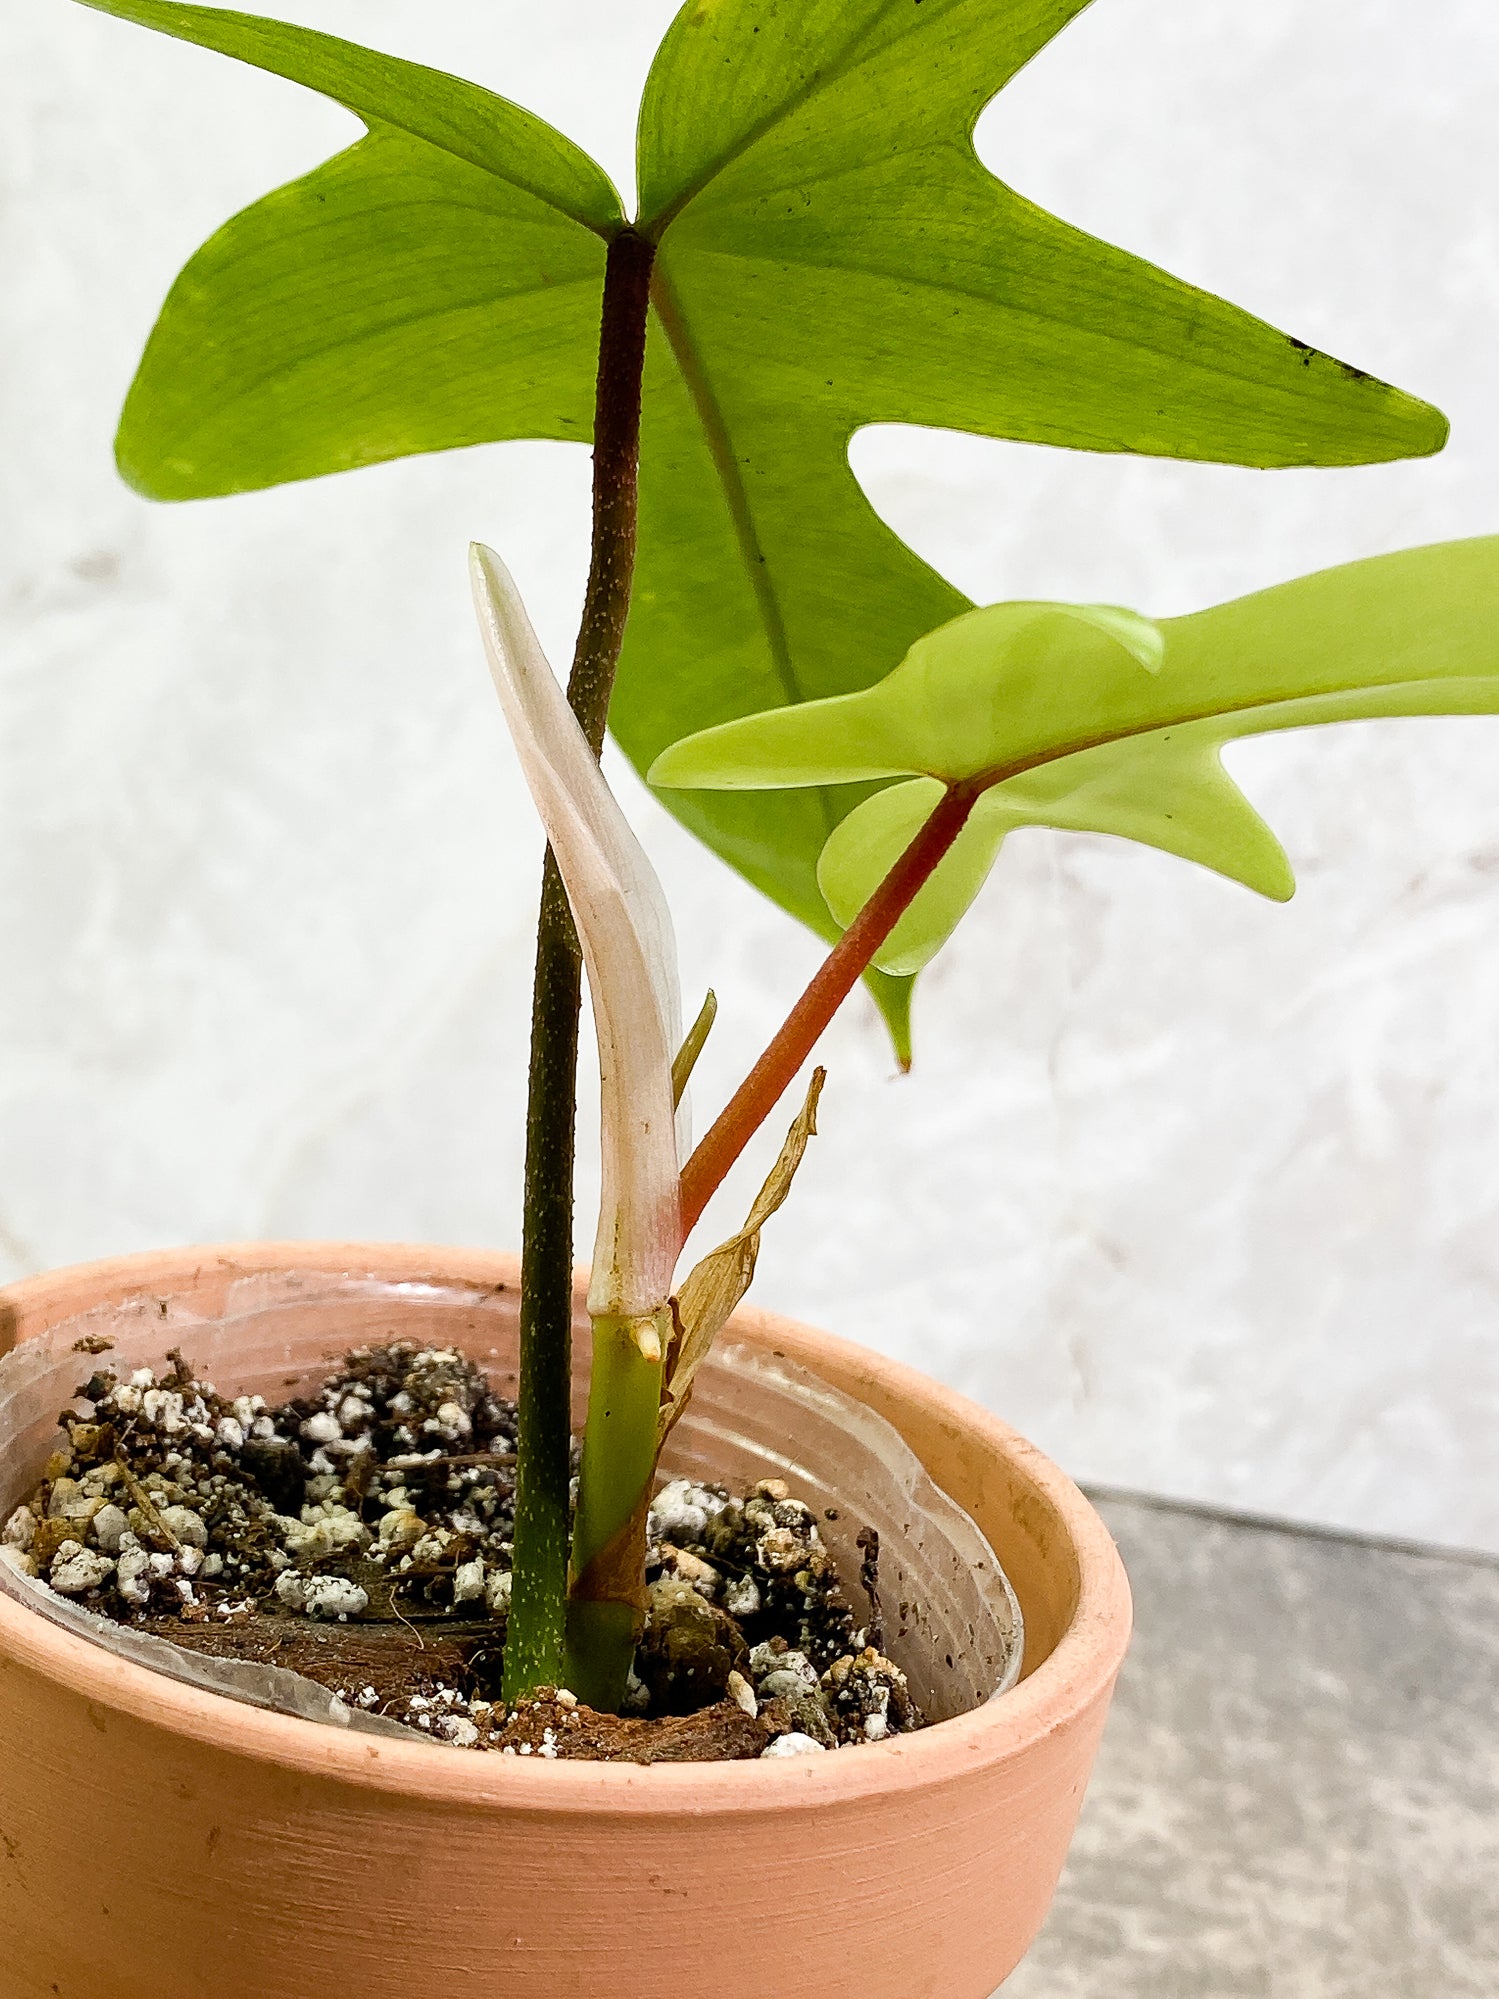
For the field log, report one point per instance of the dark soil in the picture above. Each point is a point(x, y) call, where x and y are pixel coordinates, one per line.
point(361, 1537)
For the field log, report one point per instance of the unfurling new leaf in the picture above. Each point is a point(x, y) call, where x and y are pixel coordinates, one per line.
point(624, 928)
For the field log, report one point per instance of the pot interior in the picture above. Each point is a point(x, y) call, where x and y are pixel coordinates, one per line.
point(952, 1622)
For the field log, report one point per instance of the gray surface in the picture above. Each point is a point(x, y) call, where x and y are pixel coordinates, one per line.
point(1298, 1796)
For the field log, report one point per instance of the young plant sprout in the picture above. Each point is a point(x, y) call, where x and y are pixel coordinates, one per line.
point(817, 247)
point(646, 1343)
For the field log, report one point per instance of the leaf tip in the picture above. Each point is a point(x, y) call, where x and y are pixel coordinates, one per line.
point(1423, 429)
point(1272, 876)
point(664, 773)
point(891, 992)
point(814, 1097)
point(1276, 878)
point(143, 473)
point(685, 1060)
point(1437, 428)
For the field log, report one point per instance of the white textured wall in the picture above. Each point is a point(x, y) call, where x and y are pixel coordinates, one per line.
point(1202, 1193)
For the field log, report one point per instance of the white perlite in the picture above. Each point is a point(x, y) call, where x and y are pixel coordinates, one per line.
point(741, 1597)
point(322, 1596)
point(450, 1423)
point(783, 1675)
point(335, 1596)
point(468, 1581)
point(681, 1511)
point(162, 1408)
point(401, 1527)
point(186, 1525)
point(76, 1570)
point(795, 1744)
point(20, 1529)
point(324, 1529)
point(292, 1590)
point(133, 1574)
point(111, 1525)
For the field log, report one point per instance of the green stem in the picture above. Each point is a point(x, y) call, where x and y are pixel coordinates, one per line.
point(606, 1607)
point(622, 1439)
point(534, 1641)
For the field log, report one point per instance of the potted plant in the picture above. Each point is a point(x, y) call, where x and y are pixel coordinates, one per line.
point(817, 247)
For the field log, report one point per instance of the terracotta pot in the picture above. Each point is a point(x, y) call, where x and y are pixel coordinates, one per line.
point(158, 1842)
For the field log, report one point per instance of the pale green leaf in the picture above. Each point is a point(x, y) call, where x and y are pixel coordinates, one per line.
point(1057, 724)
point(946, 710)
point(436, 285)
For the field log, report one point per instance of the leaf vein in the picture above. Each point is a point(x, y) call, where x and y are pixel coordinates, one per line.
point(1103, 332)
point(731, 483)
point(838, 66)
point(1201, 718)
point(861, 47)
point(285, 369)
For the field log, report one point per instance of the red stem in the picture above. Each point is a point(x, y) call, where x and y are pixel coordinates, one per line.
point(762, 1089)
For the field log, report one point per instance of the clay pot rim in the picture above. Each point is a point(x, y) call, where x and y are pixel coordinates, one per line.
point(1074, 1676)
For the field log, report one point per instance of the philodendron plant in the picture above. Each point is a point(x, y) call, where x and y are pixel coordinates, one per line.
point(817, 247)
point(1085, 717)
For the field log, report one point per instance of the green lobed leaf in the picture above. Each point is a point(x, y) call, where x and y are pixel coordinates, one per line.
point(435, 285)
point(831, 253)
point(1072, 721)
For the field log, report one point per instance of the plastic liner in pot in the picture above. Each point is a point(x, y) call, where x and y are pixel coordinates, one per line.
point(952, 1622)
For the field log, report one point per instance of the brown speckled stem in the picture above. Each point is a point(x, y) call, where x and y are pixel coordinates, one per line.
point(534, 1643)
